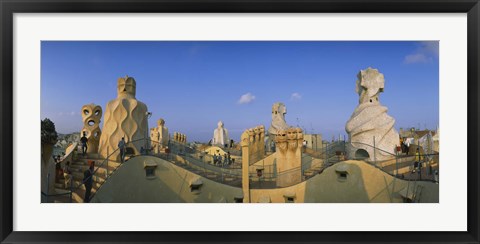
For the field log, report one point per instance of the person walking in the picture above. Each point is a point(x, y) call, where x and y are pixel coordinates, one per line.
point(84, 141)
point(418, 162)
point(219, 159)
point(121, 146)
point(88, 181)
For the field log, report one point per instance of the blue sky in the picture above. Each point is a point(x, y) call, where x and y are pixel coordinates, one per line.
point(193, 85)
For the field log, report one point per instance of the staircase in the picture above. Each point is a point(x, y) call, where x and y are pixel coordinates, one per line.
point(78, 168)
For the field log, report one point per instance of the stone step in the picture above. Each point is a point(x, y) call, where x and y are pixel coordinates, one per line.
point(77, 196)
point(97, 162)
point(317, 168)
point(62, 199)
point(77, 183)
point(88, 155)
point(309, 173)
point(79, 177)
point(99, 170)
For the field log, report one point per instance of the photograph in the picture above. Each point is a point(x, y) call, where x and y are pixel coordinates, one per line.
point(239, 121)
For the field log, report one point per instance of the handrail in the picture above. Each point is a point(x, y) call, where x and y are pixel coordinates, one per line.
point(105, 160)
point(93, 174)
point(189, 161)
point(197, 163)
point(395, 155)
point(365, 144)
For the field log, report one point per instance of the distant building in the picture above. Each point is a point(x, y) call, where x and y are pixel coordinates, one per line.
point(313, 141)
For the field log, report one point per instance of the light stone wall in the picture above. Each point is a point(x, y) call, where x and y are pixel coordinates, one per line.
point(370, 126)
point(159, 136)
point(126, 117)
point(289, 156)
point(363, 184)
point(171, 184)
point(314, 141)
point(91, 116)
point(179, 138)
point(47, 168)
point(220, 136)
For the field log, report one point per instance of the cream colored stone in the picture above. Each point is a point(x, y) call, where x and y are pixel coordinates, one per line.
point(289, 156)
point(220, 136)
point(179, 138)
point(278, 123)
point(164, 137)
point(175, 136)
point(155, 139)
point(159, 136)
point(47, 170)
point(91, 115)
point(370, 121)
point(184, 139)
point(278, 118)
point(261, 140)
point(253, 145)
point(126, 117)
point(363, 184)
point(245, 143)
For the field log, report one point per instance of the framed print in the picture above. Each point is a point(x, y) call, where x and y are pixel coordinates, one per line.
point(216, 121)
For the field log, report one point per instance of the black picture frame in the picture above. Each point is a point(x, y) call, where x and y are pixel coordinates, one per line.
point(9, 7)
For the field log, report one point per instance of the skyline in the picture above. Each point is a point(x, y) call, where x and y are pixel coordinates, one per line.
point(193, 85)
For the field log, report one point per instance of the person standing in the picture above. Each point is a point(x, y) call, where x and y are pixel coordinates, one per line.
point(407, 145)
point(121, 146)
point(402, 144)
point(88, 181)
point(418, 163)
point(84, 141)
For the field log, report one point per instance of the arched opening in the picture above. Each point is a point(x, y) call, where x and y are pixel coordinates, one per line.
point(361, 154)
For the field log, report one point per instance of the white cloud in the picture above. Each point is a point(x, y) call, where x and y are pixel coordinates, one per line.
point(246, 98)
point(72, 113)
point(425, 53)
point(295, 96)
point(431, 48)
point(416, 58)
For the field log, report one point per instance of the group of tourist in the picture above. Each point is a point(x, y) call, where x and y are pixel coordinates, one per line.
point(417, 165)
point(423, 161)
point(226, 160)
point(88, 174)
